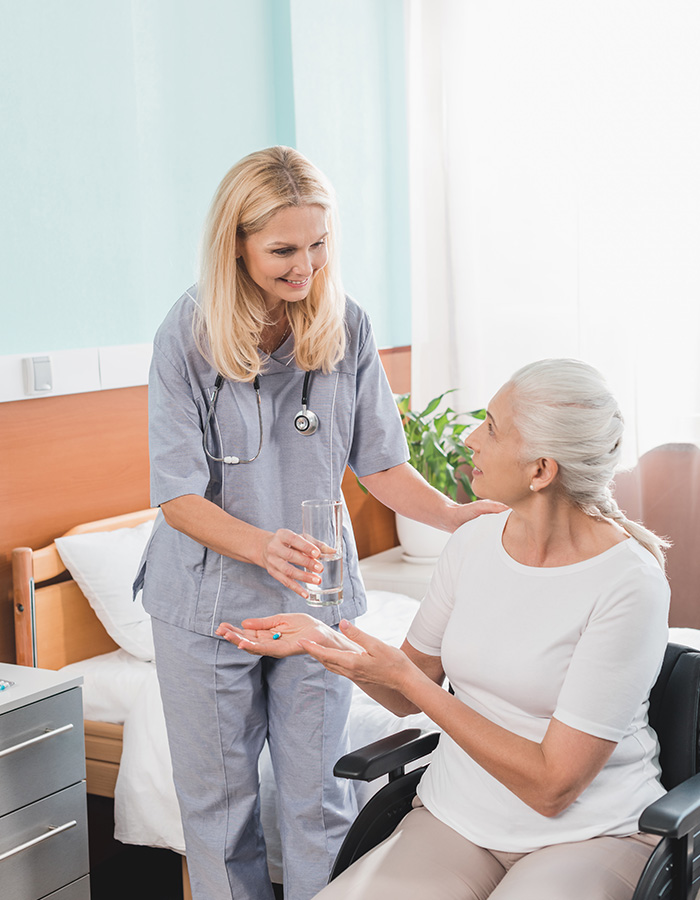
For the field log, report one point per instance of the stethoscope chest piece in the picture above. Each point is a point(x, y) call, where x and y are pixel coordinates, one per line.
point(305, 421)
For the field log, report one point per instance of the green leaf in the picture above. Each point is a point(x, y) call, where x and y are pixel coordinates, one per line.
point(402, 401)
point(361, 486)
point(440, 424)
point(433, 405)
point(436, 443)
point(467, 487)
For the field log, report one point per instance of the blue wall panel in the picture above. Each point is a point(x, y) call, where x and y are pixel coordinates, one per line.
point(119, 120)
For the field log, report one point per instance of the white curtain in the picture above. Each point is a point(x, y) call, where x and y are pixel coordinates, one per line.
point(555, 199)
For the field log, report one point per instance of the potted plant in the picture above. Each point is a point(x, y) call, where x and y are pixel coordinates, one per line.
point(436, 445)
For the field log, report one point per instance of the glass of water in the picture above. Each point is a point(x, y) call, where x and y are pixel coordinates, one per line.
point(322, 524)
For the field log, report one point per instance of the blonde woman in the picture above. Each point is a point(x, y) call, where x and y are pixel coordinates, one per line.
point(550, 621)
point(265, 384)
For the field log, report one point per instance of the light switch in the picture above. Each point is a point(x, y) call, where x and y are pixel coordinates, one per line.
point(38, 376)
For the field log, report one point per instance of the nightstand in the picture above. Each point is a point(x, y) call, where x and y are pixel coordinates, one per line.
point(388, 571)
point(43, 813)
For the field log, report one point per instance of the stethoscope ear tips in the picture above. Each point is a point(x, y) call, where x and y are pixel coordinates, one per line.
point(305, 421)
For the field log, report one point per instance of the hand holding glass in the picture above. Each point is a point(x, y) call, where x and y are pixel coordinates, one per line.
point(322, 524)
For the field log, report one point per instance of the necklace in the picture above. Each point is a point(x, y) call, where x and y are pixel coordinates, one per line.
point(283, 338)
point(277, 344)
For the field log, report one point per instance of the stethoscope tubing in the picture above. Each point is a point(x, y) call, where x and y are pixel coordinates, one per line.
point(305, 421)
point(232, 460)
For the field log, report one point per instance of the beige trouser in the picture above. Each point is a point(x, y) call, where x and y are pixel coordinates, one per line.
point(426, 860)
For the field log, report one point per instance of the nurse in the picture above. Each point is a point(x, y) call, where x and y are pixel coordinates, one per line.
point(265, 335)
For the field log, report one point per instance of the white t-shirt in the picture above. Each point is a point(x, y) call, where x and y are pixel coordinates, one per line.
point(583, 643)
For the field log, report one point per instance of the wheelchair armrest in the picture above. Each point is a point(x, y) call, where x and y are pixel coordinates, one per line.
point(675, 814)
point(386, 755)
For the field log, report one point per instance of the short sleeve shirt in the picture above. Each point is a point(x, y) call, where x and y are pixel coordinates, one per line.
point(520, 645)
point(359, 425)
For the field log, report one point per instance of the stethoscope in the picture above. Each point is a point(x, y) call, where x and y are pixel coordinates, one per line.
point(305, 421)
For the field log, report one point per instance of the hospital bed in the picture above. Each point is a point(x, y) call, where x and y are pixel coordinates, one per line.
point(58, 627)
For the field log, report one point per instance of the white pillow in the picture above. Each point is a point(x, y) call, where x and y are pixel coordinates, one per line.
point(104, 565)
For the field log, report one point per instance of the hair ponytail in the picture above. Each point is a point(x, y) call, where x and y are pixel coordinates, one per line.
point(608, 508)
point(565, 411)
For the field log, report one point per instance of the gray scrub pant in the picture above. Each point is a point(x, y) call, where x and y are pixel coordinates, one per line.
point(424, 858)
point(220, 705)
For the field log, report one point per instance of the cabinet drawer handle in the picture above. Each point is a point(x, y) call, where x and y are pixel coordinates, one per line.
point(36, 740)
point(52, 832)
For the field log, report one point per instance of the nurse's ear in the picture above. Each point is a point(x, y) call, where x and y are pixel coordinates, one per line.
point(239, 246)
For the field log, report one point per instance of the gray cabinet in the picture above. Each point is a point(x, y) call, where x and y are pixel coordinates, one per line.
point(43, 817)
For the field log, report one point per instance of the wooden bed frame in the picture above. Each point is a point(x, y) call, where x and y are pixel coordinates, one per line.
point(55, 626)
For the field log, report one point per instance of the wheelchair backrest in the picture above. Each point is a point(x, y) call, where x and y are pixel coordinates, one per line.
point(674, 713)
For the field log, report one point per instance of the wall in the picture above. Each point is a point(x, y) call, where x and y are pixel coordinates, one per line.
point(123, 118)
point(561, 214)
point(350, 100)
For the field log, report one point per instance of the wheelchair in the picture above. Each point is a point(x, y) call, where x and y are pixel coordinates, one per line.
point(673, 870)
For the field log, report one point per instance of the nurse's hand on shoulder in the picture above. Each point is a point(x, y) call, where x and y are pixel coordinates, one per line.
point(465, 512)
point(291, 559)
point(279, 635)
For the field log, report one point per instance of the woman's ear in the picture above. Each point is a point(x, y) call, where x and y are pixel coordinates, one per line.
point(545, 472)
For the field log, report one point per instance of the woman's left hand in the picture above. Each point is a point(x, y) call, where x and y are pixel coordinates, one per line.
point(375, 663)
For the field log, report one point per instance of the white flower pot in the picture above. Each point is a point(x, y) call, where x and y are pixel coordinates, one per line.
point(420, 543)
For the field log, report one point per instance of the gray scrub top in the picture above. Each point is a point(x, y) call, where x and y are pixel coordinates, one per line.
point(193, 587)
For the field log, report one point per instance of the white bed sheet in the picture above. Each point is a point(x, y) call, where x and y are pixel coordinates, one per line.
point(122, 689)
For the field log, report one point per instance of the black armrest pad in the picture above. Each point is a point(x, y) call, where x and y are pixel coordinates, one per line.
point(676, 813)
point(385, 755)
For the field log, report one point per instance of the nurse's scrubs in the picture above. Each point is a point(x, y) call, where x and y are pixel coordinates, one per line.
point(220, 703)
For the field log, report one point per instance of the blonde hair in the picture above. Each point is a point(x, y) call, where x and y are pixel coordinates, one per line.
point(565, 411)
point(233, 313)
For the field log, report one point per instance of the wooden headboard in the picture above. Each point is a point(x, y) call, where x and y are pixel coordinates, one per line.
point(83, 457)
point(54, 623)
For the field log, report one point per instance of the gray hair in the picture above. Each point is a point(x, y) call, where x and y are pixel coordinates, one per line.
point(564, 411)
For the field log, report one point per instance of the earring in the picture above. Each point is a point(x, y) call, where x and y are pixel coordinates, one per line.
point(532, 487)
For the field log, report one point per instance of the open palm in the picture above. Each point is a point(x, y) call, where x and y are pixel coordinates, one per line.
point(257, 636)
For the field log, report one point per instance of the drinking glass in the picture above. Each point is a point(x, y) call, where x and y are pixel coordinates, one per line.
point(322, 524)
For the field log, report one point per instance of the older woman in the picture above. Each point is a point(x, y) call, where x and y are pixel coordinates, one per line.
point(550, 621)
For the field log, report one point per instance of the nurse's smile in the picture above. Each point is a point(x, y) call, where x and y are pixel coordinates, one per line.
point(286, 255)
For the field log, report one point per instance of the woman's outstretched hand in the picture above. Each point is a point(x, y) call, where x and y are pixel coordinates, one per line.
point(366, 660)
point(280, 635)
